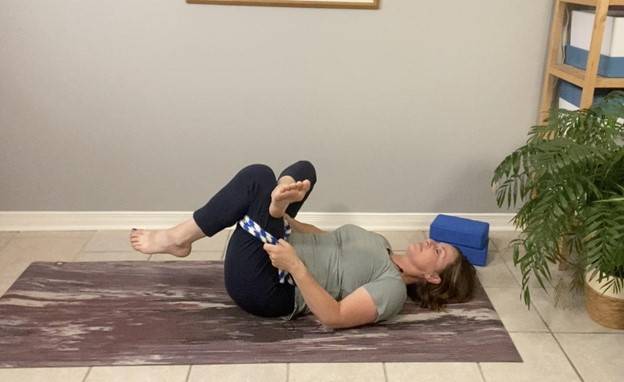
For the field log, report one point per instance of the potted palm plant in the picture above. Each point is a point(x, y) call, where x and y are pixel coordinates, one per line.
point(569, 177)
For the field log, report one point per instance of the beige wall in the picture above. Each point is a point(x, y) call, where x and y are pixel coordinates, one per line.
point(148, 105)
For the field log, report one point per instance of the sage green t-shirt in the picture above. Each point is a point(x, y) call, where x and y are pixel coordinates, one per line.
point(346, 259)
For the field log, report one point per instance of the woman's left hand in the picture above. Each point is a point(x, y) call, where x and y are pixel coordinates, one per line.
point(283, 255)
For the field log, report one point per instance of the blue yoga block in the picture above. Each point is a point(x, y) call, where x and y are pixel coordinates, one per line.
point(473, 255)
point(456, 230)
point(471, 236)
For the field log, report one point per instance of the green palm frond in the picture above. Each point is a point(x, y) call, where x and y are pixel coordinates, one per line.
point(569, 177)
point(604, 238)
point(611, 106)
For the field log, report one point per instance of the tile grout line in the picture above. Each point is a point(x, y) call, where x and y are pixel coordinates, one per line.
point(481, 371)
point(549, 330)
point(539, 314)
point(567, 357)
point(383, 366)
point(188, 373)
point(87, 374)
point(557, 341)
point(84, 245)
point(518, 282)
point(287, 372)
point(10, 240)
point(494, 246)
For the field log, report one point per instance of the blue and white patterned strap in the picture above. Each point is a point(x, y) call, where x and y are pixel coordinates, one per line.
point(254, 228)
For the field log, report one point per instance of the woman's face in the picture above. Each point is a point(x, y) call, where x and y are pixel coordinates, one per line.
point(431, 257)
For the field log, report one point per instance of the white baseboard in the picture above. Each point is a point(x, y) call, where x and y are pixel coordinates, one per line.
point(123, 220)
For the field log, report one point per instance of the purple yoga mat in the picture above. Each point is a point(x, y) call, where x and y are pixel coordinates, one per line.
point(129, 313)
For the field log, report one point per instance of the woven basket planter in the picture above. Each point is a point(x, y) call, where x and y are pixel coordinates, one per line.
point(607, 308)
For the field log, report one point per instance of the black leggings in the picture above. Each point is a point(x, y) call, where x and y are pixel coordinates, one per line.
point(250, 278)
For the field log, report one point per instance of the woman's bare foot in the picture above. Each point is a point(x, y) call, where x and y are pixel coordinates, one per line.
point(284, 194)
point(157, 241)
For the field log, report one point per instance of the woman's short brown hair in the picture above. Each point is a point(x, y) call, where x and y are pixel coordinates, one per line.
point(456, 285)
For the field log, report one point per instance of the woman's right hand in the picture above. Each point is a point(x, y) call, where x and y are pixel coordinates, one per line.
point(289, 219)
point(294, 224)
point(298, 226)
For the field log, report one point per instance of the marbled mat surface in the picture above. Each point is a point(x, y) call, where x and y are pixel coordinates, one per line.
point(177, 312)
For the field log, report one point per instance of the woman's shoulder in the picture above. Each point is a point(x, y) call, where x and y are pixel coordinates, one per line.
point(353, 228)
point(355, 231)
point(349, 226)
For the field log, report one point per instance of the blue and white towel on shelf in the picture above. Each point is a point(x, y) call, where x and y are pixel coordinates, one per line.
point(254, 228)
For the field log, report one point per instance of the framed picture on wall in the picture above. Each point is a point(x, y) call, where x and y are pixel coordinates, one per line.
point(360, 4)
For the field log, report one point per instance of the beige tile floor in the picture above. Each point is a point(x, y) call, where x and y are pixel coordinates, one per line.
point(557, 344)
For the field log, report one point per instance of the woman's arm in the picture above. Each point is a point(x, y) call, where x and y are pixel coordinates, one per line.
point(284, 256)
point(320, 302)
point(302, 227)
point(358, 308)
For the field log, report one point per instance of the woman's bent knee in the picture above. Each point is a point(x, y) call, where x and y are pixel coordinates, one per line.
point(259, 171)
point(301, 170)
point(309, 167)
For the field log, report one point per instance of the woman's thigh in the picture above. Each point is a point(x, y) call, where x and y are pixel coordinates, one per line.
point(252, 281)
point(247, 193)
point(250, 278)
